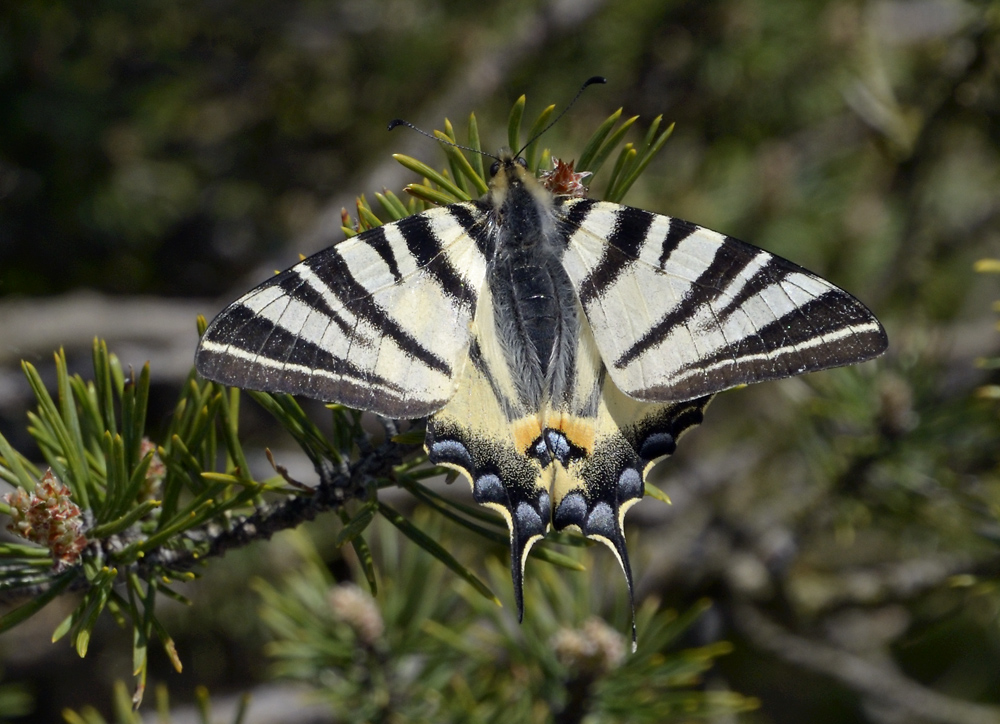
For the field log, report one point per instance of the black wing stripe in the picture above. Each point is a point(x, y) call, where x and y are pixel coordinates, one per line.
point(477, 359)
point(708, 285)
point(578, 210)
point(474, 227)
point(679, 231)
point(336, 273)
point(275, 347)
point(627, 237)
point(425, 246)
point(301, 290)
point(376, 239)
point(772, 271)
point(792, 344)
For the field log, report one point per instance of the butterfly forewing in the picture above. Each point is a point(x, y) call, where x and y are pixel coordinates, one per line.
point(679, 311)
point(379, 322)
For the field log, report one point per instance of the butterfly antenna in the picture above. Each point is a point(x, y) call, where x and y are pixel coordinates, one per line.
point(400, 122)
point(589, 82)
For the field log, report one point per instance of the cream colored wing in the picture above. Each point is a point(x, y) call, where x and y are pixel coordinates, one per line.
point(379, 322)
point(679, 311)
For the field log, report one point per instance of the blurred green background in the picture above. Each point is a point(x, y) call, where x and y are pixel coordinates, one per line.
point(158, 158)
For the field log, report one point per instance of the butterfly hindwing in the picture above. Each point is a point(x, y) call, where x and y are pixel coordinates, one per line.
point(679, 311)
point(379, 322)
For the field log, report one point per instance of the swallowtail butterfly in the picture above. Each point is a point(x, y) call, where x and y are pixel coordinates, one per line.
point(559, 345)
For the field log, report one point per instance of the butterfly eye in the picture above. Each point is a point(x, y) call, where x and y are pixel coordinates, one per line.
point(495, 168)
point(521, 162)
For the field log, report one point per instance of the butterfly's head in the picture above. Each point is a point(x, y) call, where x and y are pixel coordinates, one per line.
point(510, 177)
point(505, 158)
point(507, 167)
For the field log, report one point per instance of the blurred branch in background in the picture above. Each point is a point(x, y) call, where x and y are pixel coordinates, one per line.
point(890, 693)
point(140, 329)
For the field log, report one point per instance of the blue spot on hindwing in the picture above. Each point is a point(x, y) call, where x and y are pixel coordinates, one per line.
point(450, 451)
point(629, 484)
point(656, 445)
point(541, 452)
point(553, 444)
point(544, 502)
point(488, 488)
point(572, 510)
point(558, 445)
point(601, 521)
point(529, 522)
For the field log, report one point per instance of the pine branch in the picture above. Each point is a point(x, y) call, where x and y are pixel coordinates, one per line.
point(332, 493)
point(215, 539)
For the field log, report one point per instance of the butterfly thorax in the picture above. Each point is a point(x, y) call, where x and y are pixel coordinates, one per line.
point(535, 305)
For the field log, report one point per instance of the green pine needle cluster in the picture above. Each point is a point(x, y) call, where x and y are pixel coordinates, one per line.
point(432, 649)
point(466, 179)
